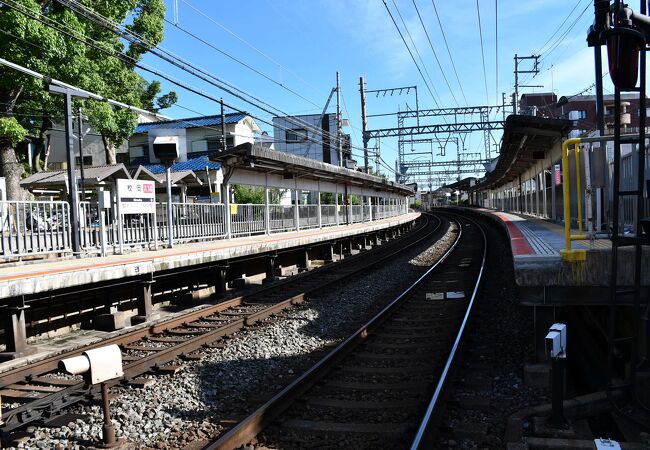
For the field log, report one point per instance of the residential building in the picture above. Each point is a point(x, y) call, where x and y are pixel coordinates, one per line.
point(312, 136)
point(94, 153)
point(197, 136)
point(581, 109)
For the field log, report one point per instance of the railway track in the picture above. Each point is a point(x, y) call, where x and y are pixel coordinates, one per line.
point(39, 394)
point(384, 386)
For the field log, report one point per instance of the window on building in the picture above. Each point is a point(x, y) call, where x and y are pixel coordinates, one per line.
point(88, 161)
point(215, 144)
point(577, 115)
point(122, 158)
point(647, 112)
point(576, 133)
point(296, 135)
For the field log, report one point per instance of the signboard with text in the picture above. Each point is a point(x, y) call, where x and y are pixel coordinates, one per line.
point(136, 196)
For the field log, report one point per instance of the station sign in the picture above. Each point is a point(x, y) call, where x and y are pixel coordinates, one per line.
point(136, 196)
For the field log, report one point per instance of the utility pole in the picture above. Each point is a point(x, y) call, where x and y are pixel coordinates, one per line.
point(73, 190)
point(364, 124)
point(223, 127)
point(80, 139)
point(339, 144)
point(534, 70)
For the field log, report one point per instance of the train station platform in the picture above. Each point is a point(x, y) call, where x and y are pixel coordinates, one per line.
point(16, 281)
point(541, 274)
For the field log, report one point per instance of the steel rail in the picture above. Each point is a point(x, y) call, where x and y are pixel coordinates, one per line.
point(432, 415)
point(254, 423)
point(48, 406)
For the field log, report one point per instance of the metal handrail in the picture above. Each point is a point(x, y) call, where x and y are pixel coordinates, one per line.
point(569, 254)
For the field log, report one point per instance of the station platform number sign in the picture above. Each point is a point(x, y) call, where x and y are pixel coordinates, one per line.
point(136, 196)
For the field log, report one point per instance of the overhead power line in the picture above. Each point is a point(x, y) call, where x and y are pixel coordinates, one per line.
point(237, 60)
point(241, 39)
point(417, 52)
point(557, 30)
point(435, 55)
point(124, 58)
point(178, 61)
point(451, 58)
point(480, 32)
point(433, 97)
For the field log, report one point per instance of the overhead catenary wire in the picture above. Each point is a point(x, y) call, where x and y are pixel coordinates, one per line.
point(435, 54)
point(433, 97)
point(451, 58)
point(480, 32)
point(415, 48)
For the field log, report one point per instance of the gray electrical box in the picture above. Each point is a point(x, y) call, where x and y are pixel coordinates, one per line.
point(104, 199)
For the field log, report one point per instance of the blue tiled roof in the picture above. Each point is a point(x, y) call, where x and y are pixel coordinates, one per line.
point(191, 122)
point(196, 164)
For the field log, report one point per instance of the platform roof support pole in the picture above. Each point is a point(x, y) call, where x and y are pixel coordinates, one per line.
point(267, 211)
point(319, 212)
point(336, 204)
point(296, 212)
point(544, 198)
point(554, 188)
point(228, 216)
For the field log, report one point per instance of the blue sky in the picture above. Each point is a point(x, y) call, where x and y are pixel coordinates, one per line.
point(302, 43)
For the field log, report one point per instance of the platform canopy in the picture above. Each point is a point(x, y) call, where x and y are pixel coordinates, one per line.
point(58, 179)
point(462, 185)
point(253, 162)
point(526, 139)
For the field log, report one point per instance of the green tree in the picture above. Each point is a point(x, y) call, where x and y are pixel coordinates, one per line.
point(255, 194)
point(43, 48)
point(248, 194)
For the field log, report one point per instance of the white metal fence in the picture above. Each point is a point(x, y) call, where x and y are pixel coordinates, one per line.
point(247, 219)
point(40, 227)
point(308, 216)
point(192, 221)
point(34, 227)
point(328, 215)
point(281, 218)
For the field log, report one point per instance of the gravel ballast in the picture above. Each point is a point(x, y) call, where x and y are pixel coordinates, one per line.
point(209, 396)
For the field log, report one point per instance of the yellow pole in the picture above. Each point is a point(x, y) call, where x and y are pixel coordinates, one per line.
point(578, 195)
point(566, 193)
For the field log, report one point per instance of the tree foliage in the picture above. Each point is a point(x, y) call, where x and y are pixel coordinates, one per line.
point(11, 132)
point(43, 48)
point(255, 194)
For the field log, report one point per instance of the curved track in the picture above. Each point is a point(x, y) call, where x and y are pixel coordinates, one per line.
point(42, 394)
point(372, 390)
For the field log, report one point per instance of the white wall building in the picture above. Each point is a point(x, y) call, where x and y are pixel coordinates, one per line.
point(196, 135)
point(312, 136)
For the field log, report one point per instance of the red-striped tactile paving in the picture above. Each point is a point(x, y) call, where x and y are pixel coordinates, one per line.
point(518, 241)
